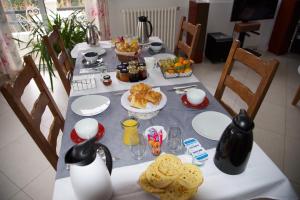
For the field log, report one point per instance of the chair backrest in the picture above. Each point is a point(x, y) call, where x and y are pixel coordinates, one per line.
point(13, 91)
point(62, 61)
point(194, 31)
point(264, 68)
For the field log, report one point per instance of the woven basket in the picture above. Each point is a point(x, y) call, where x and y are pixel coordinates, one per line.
point(127, 56)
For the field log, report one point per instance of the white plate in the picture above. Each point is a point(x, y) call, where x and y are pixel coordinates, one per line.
point(161, 56)
point(210, 124)
point(150, 107)
point(90, 105)
point(164, 136)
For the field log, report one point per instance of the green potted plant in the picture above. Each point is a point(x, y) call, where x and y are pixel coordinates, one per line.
point(72, 31)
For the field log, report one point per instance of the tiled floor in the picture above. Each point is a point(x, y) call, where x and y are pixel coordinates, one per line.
point(26, 174)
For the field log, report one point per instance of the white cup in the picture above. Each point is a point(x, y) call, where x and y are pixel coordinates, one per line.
point(91, 56)
point(156, 46)
point(195, 96)
point(86, 128)
point(150, 62)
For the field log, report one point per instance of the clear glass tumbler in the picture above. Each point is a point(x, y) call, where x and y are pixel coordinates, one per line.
point(138, 148)
point(174, 141)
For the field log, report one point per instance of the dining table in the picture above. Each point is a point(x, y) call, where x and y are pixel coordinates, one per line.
point(261, 179)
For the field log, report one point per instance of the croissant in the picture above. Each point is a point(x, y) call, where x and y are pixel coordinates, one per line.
point(138, 101)
point(140, 87)
point(153, 97)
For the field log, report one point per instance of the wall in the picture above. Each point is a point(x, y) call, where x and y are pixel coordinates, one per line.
point(115, 7)
point(218, 19)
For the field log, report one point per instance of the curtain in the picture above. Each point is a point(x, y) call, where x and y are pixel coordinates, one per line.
point(97, 10)
point(10, 60)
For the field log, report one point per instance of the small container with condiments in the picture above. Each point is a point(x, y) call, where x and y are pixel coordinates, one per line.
point(134, 75)
point(106, 80)
point(118, 71)
point(124, 75)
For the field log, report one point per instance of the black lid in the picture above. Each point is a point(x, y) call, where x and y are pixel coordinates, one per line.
point(125, 64)
point(124, 70)
point(142, 64)
point(119, 67)
point(82, 154)
point(142, 18)
point(243, 121)
point(106, 77)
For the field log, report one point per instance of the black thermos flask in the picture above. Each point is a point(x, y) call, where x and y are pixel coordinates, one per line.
point(234, 147)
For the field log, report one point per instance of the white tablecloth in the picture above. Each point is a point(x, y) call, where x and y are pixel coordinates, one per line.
point(155, 79)
point(261, 179)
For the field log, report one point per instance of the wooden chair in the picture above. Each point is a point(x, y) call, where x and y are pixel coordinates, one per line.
point(266, 70)
point(62, 61)
point(13, 91)
point(296, 97)
point(194, 31)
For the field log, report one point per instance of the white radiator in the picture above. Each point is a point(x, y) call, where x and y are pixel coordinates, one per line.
point(163, 21)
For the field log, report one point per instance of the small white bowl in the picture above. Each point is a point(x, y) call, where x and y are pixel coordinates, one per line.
point(195, 96)
point(86, 128)
point(91, 56)
point(156, 46)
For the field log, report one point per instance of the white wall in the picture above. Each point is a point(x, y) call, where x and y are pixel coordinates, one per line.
point(115, 7)
point(218, 18)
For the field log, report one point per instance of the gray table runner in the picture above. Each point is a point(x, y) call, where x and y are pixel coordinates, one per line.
point(173, 114)
point(110, 59)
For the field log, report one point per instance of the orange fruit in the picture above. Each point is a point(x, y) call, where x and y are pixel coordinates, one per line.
point(186, 62)
point(180, 59)
point(178, 64)
point(187, 70)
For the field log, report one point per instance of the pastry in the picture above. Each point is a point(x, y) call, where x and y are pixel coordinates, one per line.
point(153, 97)
point(140, 87)
point(138, 101)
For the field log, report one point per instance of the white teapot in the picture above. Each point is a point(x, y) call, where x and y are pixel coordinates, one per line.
point(90, 176)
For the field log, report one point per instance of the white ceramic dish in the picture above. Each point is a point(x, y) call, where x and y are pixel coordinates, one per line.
point(90, 105)
point(91, 56)
point(210, 124)
point(161, 56)
point(150, 107)
point(86, 128)
point(195, 96)
point(156, 46)
point(164, 132)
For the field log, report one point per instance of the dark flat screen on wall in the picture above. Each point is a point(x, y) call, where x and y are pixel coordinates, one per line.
point(247, 10)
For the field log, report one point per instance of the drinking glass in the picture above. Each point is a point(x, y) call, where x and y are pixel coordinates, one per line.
point(138, 148)
point(174, 141)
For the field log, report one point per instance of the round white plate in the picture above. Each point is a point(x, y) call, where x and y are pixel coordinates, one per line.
point(161, 56)
point(150, 107)
point(210, 124)
point(90, 105)
point(164, 136)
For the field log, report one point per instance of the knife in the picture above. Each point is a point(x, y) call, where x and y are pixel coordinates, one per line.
point(182, 87)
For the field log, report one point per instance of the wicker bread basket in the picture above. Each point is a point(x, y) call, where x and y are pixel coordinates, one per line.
point(127, 56)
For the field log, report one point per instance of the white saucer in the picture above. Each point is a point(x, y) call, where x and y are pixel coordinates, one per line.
point(210, 124)
point(90, 105)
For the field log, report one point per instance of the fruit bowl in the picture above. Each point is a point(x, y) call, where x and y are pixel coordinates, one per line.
point(173, 68)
